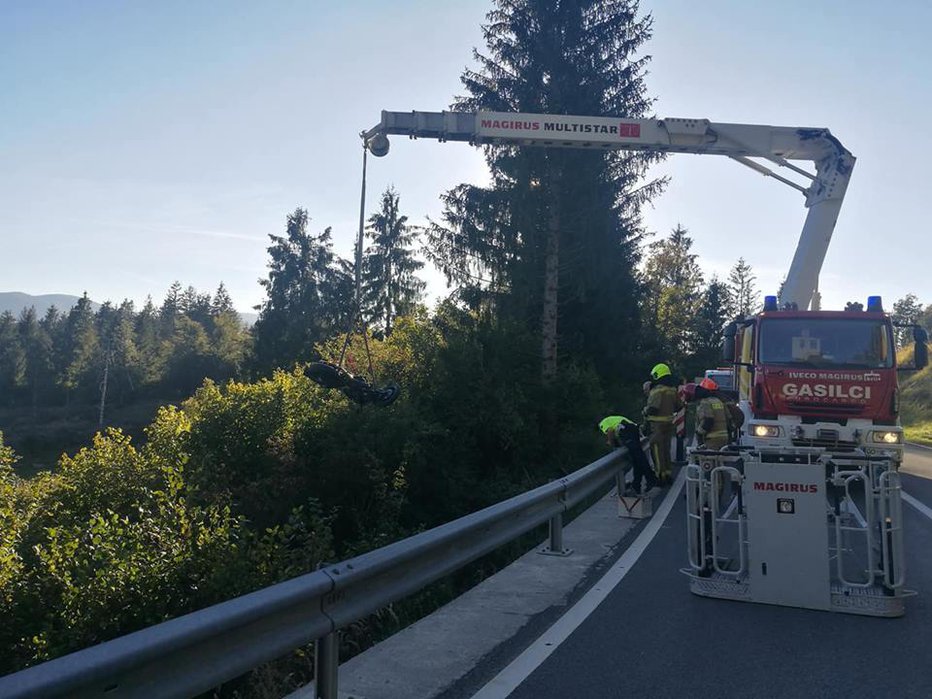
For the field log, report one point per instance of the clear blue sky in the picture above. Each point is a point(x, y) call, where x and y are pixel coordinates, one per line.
point(143, 142)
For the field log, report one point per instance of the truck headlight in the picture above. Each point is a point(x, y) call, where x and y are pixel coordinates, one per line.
point(765, 430)
point(886, 437)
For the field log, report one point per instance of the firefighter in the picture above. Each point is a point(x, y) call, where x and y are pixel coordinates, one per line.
point(712, 429)
point(619, 431)
point(662, 403)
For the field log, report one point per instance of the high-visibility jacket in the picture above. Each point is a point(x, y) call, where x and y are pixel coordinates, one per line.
point(612, 421)
point(712, 408)
point(662, 402)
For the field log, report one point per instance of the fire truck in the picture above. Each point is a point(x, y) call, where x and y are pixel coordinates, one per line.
point(804, 510)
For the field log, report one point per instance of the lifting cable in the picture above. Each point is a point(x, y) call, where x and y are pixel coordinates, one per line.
point(336, 376)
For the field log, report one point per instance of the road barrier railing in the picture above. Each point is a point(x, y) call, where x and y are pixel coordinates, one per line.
point(193, 653)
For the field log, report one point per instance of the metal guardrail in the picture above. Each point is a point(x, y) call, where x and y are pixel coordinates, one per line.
point(201, 650)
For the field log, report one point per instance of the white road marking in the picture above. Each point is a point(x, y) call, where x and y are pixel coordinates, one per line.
point(506, 681)
point(924, 509)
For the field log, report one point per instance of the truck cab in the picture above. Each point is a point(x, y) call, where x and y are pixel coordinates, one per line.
point(825, 379)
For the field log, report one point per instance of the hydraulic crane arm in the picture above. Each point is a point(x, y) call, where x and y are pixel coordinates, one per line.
point(777, 144)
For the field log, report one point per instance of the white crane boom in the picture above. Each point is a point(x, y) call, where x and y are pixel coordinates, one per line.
point(777, 144)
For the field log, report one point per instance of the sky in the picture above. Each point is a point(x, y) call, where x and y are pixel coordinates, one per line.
point(144, 142)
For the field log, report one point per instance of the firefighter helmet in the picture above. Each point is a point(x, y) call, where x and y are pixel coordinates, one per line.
point(708, 384)
point(659, 371)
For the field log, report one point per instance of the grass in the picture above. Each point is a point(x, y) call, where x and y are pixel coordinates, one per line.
point(40, 438)
point(919, 433)
point(915, 400)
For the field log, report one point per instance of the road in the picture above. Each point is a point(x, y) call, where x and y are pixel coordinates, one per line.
point(651, 638)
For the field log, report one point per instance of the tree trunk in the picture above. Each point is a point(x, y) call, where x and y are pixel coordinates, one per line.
point(551, 288)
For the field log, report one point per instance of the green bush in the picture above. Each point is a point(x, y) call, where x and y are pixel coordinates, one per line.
point(247, 484)
point(114, 542)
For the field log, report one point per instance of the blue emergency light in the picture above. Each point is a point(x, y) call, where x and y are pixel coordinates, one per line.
point(875, 304)
point(770, 303)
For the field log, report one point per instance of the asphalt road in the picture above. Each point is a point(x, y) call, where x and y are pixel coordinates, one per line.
point(652, 638)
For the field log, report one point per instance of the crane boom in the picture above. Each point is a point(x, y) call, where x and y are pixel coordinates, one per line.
point(777, 144)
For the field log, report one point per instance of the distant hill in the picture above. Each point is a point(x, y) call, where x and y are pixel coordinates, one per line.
point(15, 302)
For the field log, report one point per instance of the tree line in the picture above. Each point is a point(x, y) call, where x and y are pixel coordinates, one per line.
point(685, 314)
point(166, 350)
point(118, 354)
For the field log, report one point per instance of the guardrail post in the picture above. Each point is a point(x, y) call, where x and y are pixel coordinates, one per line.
point(326, 665)
point(555, 547)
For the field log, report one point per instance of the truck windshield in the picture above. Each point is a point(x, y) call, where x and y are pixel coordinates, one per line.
point(823, 342)
point(724, 379)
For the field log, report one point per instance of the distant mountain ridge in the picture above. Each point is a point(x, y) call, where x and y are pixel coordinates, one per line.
point(16, 302)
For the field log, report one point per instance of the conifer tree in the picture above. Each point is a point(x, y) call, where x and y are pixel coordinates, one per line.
point(674, 291)
point(309, 296)
point(222, 303)
point(744, 295)
point(710, 320)
point(37, 353)
point(558, 229)
point(81, 350)
point(12, 359)
point(170, 310)
point(390, 283)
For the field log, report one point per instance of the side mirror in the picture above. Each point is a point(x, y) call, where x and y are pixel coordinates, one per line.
point(921, 352)
point(728, 343)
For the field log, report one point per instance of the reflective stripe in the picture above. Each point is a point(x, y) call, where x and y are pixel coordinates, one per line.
point(679, 422)
point(717, 434)
point(660, 418)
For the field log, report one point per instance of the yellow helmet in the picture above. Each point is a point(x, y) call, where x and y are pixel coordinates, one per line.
point(659, 371)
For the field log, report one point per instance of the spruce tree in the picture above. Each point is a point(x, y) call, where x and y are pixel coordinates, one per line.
point(228, 334)
point(674, 290)
point(81, 351)
point(170, 311)
point(390, 283)
point(558, 229)
point(149, 343)
point(711, 317)
point(37, 353)
point(309, 296)
point(222, 303)
point(12, 359)
point(744, 295)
